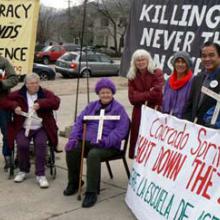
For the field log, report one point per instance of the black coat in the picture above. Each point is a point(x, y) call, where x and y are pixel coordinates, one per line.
point(194, 108)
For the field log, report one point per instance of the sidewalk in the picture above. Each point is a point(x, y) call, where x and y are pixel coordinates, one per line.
point(26, 201)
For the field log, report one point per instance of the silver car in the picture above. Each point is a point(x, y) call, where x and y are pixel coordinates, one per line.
point(92, 64)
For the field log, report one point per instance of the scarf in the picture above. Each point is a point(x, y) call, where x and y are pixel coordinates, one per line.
point(175, 83)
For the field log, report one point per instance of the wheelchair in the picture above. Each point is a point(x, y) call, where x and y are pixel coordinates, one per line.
point(50, 157)
point(50, 160)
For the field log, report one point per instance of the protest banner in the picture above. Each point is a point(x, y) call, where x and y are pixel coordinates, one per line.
point(175, 174)
point(18, 24)
point(164, 27)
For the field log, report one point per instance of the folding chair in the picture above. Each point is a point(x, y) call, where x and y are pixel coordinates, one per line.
point(122, 156)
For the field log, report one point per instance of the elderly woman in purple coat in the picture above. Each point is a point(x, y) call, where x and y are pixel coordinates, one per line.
point(113, 133)
point(178, 86)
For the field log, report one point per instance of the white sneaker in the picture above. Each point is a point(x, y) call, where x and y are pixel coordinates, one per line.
point(20, 177)
point(42, 180)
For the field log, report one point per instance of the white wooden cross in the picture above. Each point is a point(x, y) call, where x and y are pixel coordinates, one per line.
point(215, 96)
point(101, 118)
point(30, 117)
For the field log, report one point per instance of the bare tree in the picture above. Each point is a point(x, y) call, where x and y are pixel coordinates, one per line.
point(116, 11)
point(45, 22)
point(66, 25)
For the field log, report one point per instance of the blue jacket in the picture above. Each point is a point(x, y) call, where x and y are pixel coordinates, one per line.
point(113, 131)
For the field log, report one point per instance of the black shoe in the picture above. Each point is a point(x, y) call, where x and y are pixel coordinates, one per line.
point(71, 189)
point(89, 200)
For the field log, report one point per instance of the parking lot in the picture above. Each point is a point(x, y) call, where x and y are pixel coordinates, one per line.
point(67, 86)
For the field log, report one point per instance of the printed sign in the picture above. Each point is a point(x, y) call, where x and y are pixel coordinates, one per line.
point(164, 27)
point(18, 24)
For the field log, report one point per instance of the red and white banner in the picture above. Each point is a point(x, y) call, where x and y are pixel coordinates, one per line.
point(175, 174)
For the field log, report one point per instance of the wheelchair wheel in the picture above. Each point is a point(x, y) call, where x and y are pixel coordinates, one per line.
point(11, 172)
point(12, 166)
point(53, 172)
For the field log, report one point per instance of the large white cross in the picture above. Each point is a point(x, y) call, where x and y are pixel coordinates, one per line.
point(101, 118)
point(215, 96)
point(30, 117)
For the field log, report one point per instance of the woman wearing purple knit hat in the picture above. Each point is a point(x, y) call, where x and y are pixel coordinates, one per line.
point(113, 133)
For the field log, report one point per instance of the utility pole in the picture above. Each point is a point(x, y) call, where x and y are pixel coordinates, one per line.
point(69, 5)
point(82, 35)
point(69, 2)
point(79, 71)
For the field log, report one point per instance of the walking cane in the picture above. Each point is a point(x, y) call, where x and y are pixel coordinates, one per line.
point(81, 162)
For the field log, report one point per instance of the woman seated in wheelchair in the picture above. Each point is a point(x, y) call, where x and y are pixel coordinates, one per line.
point(32, 119)
point(113, 132)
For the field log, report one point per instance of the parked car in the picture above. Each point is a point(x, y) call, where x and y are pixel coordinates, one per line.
point(93, 64)
point(71, 47)
point(39, 47)
point(45, 72)
point(49, 54)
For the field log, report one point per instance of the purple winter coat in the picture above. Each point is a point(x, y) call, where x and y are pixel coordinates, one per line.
point(175, 100)
point(113, 131)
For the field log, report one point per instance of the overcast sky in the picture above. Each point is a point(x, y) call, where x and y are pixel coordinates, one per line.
point(59, 3)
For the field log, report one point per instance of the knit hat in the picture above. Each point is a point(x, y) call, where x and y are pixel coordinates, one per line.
point(105, 83)
point(184, 55)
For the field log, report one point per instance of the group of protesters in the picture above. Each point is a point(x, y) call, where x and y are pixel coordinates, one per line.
point(179, 96)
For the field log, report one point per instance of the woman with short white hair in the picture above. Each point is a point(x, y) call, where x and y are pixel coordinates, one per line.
point(40, 102)
point(145, 83)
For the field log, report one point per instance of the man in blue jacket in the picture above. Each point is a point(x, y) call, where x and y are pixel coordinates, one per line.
point(113, 133)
